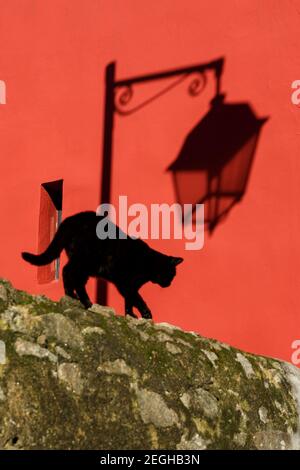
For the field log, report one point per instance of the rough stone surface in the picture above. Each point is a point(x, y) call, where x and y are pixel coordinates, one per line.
point(153, 409)
point(70, 374)
point(90, 379)
point(26, 348)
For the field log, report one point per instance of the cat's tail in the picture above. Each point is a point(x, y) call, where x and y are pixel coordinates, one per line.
point(51, 253)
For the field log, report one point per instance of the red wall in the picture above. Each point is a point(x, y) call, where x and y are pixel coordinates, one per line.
point(243, 286)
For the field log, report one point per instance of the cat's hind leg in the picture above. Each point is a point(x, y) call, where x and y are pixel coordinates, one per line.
point(81, 281)
point(83, 295)
point(75, 280)
point(68, 282)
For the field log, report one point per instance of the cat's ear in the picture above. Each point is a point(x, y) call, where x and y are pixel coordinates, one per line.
point(176, 260)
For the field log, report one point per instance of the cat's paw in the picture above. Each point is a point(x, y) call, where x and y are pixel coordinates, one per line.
point(147, 314)
point(87, 304)
point(131, 314)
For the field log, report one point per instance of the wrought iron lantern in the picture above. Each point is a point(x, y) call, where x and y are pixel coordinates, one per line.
point(213, 165)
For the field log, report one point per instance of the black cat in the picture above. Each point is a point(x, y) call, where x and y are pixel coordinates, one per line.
point(126, 262)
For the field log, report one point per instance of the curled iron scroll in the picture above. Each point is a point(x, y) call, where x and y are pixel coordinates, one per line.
point(197, 85)
point(125, 94)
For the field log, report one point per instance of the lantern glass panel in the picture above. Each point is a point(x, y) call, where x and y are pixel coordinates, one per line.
point(191, 186)
point(235, 174)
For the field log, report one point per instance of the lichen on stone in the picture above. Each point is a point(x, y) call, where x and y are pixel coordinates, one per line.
point(90, 379)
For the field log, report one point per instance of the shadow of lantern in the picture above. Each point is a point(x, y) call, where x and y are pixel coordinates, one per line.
point(214, 163)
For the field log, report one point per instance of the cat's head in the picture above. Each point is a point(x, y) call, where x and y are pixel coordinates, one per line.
point(165, 270)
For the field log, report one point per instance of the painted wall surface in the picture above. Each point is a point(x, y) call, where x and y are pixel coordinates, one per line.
point(243, 287)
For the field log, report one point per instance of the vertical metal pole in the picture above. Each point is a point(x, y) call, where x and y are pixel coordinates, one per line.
point(218, 75)
point(105, 194)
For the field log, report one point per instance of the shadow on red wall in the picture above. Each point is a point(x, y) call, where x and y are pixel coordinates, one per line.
point(214, 163)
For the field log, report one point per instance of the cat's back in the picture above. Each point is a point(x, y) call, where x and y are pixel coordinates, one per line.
point(79, 226)
point(83, 227)
point(81, 217)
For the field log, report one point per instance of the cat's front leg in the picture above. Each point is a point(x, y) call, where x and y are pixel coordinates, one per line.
point(128, 294)
point(141, 305)
point(129, 307)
